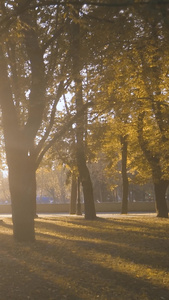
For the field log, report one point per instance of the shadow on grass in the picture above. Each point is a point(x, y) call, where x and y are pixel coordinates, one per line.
point(136, 248)
point(107, 229)
point(7, 225)
point(75, 259)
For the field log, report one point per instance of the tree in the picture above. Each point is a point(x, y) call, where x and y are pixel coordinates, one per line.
point(85, 178)
point(153, 115)
point(137, 77)
point(27, 116)
point(33, 79)
point(19, 139)
point(52, 182)
point(153, 157)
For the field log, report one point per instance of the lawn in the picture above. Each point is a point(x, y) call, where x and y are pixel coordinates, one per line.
point(122, 258)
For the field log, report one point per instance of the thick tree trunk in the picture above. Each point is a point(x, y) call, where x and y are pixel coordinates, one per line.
point(160, 192)
point(19, 139)
point(90, 213)
point(22, 183)
point(124, 208)
point(73, 199)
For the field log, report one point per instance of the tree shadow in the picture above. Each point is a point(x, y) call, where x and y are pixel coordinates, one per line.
point(77, 259)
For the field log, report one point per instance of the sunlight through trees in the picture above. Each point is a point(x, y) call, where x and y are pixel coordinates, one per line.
point(107, 63)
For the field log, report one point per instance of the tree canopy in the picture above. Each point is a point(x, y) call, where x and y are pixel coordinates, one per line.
point(107, 63)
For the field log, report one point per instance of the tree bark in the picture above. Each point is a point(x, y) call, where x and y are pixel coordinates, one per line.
point(73, 199)
point(22, 183)
point(78, 206)
point(90, 213)
point(160, 191)
point(124, 208)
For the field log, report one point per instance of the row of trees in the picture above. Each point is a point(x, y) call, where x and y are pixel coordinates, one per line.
point(55, 185)
point(107, 63)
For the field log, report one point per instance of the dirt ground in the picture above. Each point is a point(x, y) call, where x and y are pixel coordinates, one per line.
point(119, 258)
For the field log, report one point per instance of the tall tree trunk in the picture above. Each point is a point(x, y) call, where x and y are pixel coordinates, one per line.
point(78, 206)
point(160, 189)
point(22, 183)
point(124, 208)
point(73, 199)
point(160, 185)
point(18, 139)
point(85, 178)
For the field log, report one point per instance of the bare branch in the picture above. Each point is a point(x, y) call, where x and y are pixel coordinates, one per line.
point(62, 131)
point(52, 119)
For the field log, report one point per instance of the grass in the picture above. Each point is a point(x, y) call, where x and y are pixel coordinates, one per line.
point(122, 258)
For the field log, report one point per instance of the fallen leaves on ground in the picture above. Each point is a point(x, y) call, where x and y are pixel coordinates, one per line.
point(74, 259)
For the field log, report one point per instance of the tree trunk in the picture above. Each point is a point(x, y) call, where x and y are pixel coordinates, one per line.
point(160, 192)
point(73, 195)
point(90, 213)
point(160, 185)
point(22, 183)
point(124, 208)
point(78, 208)
point(85, 179)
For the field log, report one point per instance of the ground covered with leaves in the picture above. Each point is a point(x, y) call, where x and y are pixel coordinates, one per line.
point(122, 258)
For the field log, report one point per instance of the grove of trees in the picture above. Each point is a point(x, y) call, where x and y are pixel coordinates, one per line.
point(106, 63)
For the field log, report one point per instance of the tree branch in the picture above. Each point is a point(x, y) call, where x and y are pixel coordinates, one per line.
point(52, 119)
point(60, 133)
